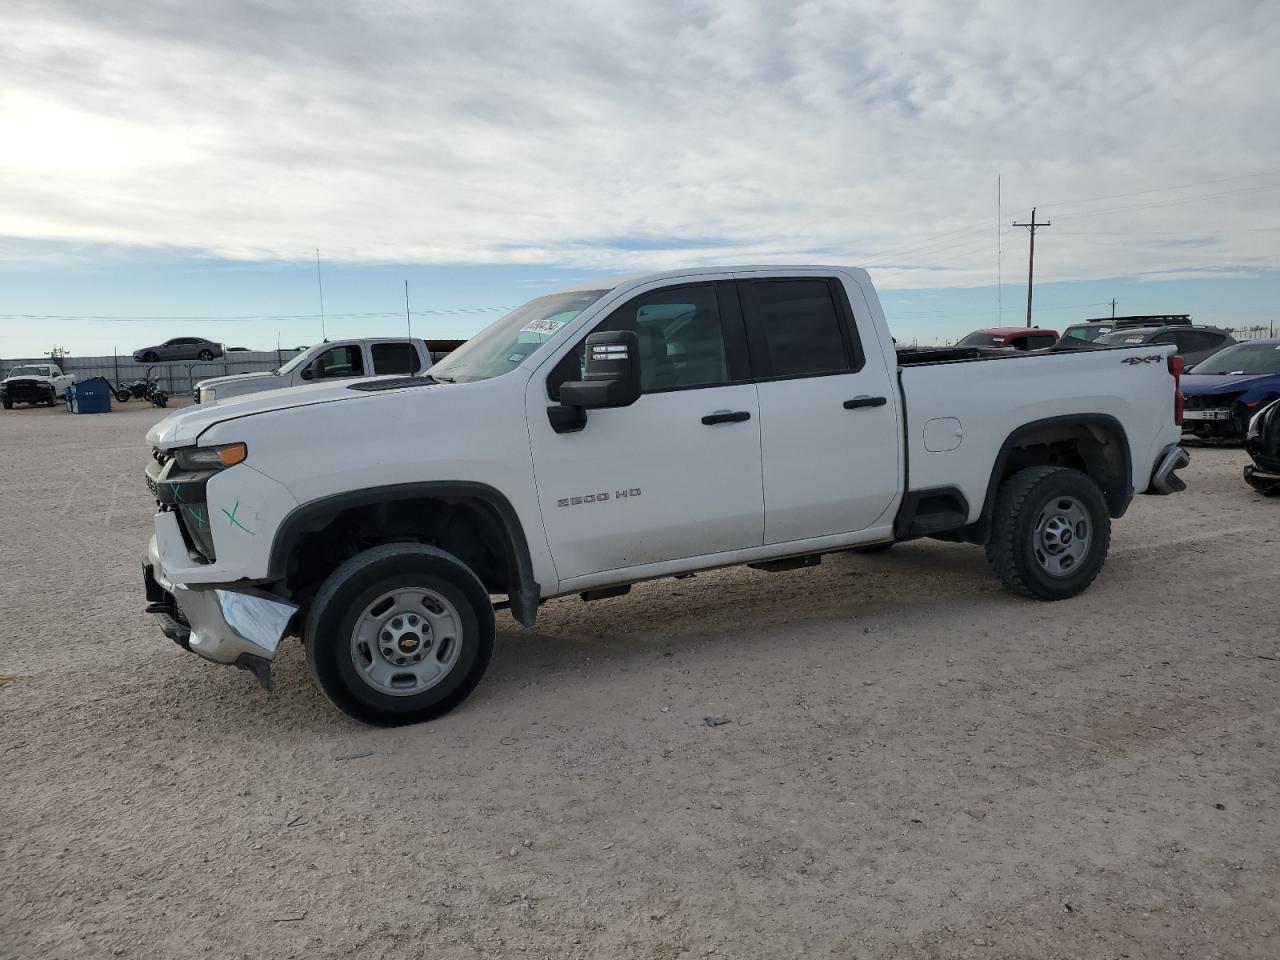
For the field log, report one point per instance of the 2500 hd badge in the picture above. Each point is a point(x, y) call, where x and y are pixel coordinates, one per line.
point(597, 497)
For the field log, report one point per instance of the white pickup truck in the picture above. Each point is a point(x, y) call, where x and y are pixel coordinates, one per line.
point(34, 383)
point(620, 431)
point(330, 360)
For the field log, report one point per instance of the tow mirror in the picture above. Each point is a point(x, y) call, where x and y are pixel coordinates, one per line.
point(312, 370)
point(612, 377)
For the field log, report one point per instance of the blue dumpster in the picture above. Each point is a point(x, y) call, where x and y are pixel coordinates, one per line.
point(91, 396)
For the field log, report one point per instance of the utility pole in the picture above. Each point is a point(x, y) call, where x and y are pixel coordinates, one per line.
point(1031, 260)
point(1113, 308)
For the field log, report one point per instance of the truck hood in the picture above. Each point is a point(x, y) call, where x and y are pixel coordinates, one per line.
point(234, 378)
point(183, 427)
point(1196, 384)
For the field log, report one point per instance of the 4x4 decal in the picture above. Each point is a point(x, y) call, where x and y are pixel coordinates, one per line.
point(1154, 358)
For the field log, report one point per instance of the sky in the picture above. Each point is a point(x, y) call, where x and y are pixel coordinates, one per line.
point(172, 168)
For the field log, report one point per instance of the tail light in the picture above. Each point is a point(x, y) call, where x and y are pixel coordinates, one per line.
point(1176, 364)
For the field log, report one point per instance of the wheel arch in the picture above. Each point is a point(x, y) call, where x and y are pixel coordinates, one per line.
point(1098, 438)
point(496, 511)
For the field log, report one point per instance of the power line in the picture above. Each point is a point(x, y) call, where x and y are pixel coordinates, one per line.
point(167, 317)
point(1181, 186)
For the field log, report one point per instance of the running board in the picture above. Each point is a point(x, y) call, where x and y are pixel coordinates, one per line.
point(789, 563)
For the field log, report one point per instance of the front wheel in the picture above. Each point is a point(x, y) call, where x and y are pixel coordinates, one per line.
point(1050, 533)
point(399, 634)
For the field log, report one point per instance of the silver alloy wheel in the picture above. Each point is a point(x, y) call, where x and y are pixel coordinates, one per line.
point(406, 641)
point(1062, 536)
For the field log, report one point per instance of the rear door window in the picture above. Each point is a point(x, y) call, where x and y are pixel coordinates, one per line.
point(395, 358)
point(798, 328)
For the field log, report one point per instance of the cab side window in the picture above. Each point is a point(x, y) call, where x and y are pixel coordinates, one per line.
point(801, 328)
point(682, 343)
point(395, 358)
point(337, 362)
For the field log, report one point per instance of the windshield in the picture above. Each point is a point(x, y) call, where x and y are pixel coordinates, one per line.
point(504, 345)
point(295, 362)
point(1086, 332)
point(1121, 337)
point(29, 372)
point(1242, 358)
point(981, 339)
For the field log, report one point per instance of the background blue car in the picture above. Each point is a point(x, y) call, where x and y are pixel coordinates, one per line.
point(1221, 394)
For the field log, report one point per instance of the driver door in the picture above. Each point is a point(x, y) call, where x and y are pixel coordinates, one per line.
point(672, 476)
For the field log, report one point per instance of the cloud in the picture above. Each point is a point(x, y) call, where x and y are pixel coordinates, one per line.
point(621, 136)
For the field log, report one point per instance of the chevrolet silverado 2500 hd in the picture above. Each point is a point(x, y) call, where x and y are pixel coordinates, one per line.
point(621, 431)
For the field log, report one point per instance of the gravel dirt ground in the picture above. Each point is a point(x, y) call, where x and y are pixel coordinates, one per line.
point(917, 764)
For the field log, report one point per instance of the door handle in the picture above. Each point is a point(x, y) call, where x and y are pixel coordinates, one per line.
point(864, 401)
point(726, 416)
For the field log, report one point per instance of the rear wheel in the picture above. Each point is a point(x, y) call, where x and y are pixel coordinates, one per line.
point(1050, 533)
point(206, 354)
point(399, 634)
point(8, 404)
point(122, 396)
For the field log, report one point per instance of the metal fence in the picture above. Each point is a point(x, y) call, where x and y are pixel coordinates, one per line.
point(177, 377)
point(1258, 332)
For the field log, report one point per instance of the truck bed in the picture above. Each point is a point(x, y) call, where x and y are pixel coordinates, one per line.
point(960, 412)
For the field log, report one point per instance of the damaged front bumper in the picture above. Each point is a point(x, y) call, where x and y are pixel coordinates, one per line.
point(1263, 480)
point(241, 628)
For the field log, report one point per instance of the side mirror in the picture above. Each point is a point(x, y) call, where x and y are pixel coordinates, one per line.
point(311, 370)
point(612, 377)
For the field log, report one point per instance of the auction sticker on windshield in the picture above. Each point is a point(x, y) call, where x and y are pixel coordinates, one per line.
point(547, 326)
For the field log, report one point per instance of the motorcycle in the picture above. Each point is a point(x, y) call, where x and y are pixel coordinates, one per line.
point(146, 388)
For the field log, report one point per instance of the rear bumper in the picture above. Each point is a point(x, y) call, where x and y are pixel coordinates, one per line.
point(1164, 476)
point(240, 628)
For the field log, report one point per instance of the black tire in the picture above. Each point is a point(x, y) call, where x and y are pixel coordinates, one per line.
point(872, 548)
point(150, 357)
point(8, 404)
point(342, 599)
point(1014, 551)
point(122, 396)
point(206, 354)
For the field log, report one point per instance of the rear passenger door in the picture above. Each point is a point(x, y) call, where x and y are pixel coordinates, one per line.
point(395, 357)
point(828, 410)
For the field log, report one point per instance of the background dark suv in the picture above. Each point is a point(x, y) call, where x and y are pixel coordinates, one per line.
point(1194, 343)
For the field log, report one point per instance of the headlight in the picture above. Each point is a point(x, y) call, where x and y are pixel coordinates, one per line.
point(210, 458)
